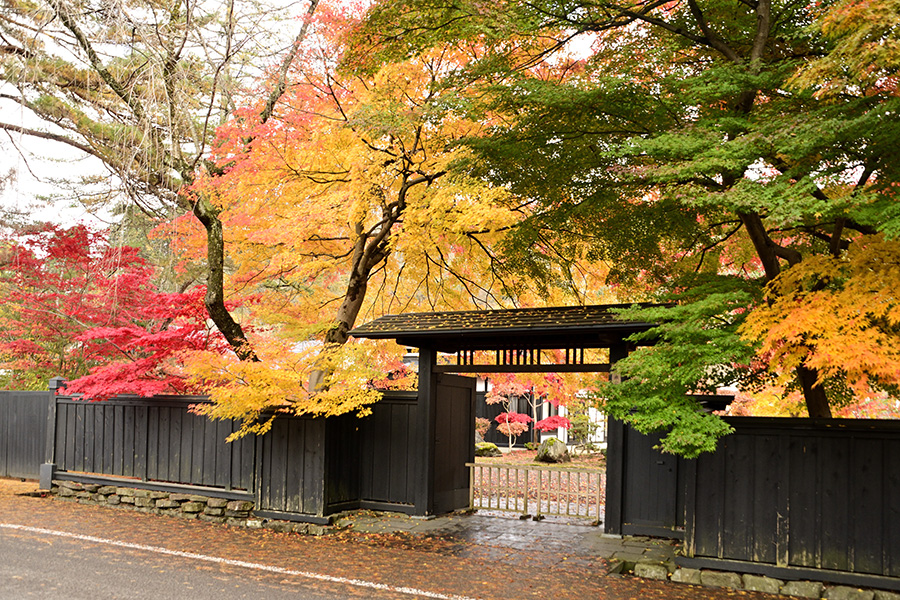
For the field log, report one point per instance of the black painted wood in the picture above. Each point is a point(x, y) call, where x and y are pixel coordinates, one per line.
point(801, 494)
point(651, 493)
point(454, 442)
point(152, 439)
point(615, 473)
point(385, 452)
point(23, 433)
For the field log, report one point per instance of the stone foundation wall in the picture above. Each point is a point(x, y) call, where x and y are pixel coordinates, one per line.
point(185, 506)
point(752, 583)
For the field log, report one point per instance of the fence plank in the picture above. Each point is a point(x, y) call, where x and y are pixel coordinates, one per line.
point(295, 475)
point(867, 494)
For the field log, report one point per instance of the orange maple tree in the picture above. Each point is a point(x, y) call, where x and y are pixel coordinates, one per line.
point(342, 204)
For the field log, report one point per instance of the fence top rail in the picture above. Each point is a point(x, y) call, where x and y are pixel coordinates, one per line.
point(806, 425)
point(402, 396)
point(183, 401)
point(521, 467)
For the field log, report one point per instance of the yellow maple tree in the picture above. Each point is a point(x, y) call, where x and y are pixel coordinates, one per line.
point(839, 315)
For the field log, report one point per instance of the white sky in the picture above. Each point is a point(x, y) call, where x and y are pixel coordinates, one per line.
point(36, 163)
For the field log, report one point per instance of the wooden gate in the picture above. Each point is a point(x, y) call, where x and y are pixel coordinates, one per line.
point(644, 488)
point(454, 441)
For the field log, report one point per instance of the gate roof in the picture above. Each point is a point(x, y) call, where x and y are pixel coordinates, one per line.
point(595, 326)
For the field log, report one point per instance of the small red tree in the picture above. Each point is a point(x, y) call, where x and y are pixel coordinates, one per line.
point(553, 423)
point(512, 425)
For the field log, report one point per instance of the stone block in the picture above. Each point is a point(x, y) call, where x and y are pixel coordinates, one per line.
point(83, 495)
point(192, 507)
point(124, 491)
point(66, 492)
point(71, 485)
point(106, 490)
point(234, 522)
point(214, 512)
point(721, 579)
point(237, 514)
point(239, 505)
point(280, 526)
point(803, 589)
point(253, 524)
point(552, 450)
point(126, 499)
point(158, 495)
point(884, 595)
point(141, 493)
point(684, 575)
point(90, 487)
point(188, 498)
point(758, 583)
point(216, 502)
point(844, 592)
point(113, 499)
point(313, 529)
point(651, 570)
point(143, 502)
point(99, 498)
point(300, 528)
point(211, 518)
point(167, 503)
point(616, 567)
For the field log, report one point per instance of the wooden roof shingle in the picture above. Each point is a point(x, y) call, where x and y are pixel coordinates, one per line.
point(550, 327)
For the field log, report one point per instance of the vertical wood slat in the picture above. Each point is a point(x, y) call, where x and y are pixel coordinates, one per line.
point(153, 421)
point(109, 437)
point(164, 443)
point(891, 548)
point(62, 435)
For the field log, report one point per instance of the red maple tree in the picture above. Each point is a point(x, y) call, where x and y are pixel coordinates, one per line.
point(76, 306)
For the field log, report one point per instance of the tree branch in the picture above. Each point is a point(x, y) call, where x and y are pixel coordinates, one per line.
point(46, 135)
point(281, 81)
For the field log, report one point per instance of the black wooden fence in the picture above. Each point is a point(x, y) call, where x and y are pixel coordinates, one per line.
point(790, 498)
point(151, 439)
point(799, 498)
point(303, 469)
point(23, 427)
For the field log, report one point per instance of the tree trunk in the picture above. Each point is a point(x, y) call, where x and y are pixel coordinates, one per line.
point(215, 285)
point(349, 309)
point(814, 395)
point(816, 400)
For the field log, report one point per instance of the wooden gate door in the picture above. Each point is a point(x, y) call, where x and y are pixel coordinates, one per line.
point(653, 499)
point(454, 441)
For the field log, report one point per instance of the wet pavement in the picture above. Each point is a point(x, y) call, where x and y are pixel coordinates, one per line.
point(501, 537)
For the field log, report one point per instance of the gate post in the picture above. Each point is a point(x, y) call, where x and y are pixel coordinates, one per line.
point(424, 456)
point(615, 455)
point(48, 468)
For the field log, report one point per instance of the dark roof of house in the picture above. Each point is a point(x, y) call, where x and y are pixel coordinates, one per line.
point(553, 327)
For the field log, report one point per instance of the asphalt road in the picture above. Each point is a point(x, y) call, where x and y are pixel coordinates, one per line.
point(51, 549)
point(35, 564)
